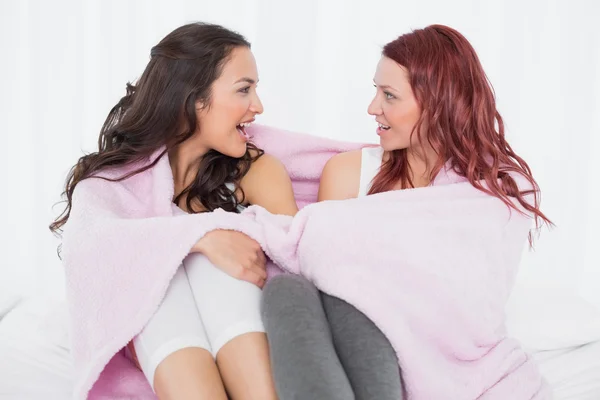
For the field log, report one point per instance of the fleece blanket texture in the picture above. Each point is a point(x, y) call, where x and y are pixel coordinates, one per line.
point(432, 267)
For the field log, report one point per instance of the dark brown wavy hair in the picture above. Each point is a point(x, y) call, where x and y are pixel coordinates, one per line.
point(160, 110)
point(459, 119)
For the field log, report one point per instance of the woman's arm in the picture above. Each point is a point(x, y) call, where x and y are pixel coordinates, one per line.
point(341, 177)
point(267, 184)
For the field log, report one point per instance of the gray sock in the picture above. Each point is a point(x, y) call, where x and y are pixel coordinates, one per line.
point(304, 361)
point(367, 356)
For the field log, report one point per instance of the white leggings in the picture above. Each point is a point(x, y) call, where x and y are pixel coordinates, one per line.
point(203, 307)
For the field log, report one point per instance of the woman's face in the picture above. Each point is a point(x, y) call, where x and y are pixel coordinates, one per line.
point(394, 106)
point(234, 103)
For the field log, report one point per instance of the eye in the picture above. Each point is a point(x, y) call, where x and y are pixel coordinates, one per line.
point(389, 96)
point(245, 90)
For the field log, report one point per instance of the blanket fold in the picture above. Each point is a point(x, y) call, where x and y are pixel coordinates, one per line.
point(431, 267)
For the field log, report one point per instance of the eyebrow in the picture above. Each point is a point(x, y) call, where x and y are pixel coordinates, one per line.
point(385, 87)
point(246, 79)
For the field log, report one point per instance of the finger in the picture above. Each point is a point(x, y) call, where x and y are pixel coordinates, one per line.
point(259, 270)
point(262, 258)
point(258, 258)
point(252, 277)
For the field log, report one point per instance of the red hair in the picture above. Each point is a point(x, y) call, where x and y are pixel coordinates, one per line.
point(459, 119)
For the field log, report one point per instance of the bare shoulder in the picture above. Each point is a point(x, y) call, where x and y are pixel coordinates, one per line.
point(341, 176)
point(266, 164)
point(346, 159)
point(253, 151)
point(268, 185)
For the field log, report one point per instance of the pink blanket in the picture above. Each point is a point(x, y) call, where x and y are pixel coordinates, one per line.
point(431, 267)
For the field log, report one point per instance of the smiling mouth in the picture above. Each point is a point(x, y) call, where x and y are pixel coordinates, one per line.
point(241, 128)
point(384, 127)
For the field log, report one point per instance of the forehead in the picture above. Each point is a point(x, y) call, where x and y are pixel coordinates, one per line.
point(241, 64)
point(389, 72)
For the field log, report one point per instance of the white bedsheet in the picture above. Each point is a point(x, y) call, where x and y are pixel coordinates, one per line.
point(35, 361)
point(574, 373)
point(34, 355)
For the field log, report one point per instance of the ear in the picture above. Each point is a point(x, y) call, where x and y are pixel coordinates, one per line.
point(201, 108)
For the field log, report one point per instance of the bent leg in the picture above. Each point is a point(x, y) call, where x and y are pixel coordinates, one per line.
point(305, 364)
point(173, 350)
point(365, 353)
point(230, 310)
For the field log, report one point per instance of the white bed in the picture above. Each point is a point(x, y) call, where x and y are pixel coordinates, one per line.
point(574, 373)
point(34, 354)
point(35, 361)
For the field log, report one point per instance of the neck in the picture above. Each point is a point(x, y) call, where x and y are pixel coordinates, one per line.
point(419, 173)
point(421, 163)
point(185, 161)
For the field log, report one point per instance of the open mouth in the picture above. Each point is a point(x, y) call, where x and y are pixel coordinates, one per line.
point(241, 128)
point(383, 127)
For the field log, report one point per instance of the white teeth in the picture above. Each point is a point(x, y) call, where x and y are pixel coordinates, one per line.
point(384, 126)
point(245, 124)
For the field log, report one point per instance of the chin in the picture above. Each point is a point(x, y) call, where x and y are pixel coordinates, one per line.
point(387, 145)
point(235, 148)
point(238, 152)
point(233, 152)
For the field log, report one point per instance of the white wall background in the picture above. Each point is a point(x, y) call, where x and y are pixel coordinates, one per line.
point(64, 64)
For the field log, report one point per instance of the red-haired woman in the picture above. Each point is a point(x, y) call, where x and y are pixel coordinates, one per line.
point(435, 109)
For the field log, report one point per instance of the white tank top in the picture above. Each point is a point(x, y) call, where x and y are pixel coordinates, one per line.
point(370, 163)
point(231, 187)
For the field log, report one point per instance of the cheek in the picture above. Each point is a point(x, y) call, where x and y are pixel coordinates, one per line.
point(223, 116)
point(415, 114)
point(243, 105)
point(404, 118)
point(224, 119)
point(235, 111)
point(222, 111)
point(396, 117)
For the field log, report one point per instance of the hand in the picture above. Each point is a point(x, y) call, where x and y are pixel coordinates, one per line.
point(236, 254)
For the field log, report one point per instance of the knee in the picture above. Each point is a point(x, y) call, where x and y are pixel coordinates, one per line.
point(283, 287)
point(283, 291)
point(336, 308)
point(330, 301)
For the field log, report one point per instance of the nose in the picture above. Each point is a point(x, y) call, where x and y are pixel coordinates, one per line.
point(256, 106)
point(375, 106)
